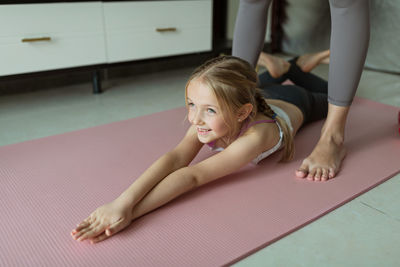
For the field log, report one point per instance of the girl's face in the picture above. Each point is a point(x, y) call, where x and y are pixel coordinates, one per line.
point(205, 112)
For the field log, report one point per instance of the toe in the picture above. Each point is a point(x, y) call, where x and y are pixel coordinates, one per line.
point(318, 173)
point(311, 175)
point(302, 171)
point(325, 176)
point(331, 173)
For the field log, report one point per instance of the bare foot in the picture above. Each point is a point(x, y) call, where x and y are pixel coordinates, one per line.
point(276, 66)
point(325, 61)
point(308, 62)
point(324, 161)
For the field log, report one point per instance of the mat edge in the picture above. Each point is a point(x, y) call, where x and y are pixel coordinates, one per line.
point(311, 220)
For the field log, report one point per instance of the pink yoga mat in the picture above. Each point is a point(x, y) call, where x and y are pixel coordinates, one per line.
point(50, 184)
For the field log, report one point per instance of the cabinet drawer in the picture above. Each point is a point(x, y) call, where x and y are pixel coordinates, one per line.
point(73, 36)
point(138, 30)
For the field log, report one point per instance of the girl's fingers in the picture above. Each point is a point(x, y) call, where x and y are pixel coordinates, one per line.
point(99, 238)
point(81, 226)
point(77, 235)
point(85, 236)
point(85, 223)
point(115, 227)
point(94, 231)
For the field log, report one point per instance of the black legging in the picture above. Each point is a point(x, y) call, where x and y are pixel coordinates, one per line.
point(309, 92)
point(349, 42)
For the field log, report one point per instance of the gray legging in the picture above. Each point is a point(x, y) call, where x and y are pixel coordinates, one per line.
point(349, 42)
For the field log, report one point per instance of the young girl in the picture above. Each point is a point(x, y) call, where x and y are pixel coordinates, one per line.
point(229, 113)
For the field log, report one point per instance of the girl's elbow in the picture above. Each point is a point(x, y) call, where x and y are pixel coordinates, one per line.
point(191, 177)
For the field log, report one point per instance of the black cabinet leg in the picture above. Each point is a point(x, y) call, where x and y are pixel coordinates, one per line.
point(96, 82)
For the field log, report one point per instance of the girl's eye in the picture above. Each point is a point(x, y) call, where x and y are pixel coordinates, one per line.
point(190, 105)
point(210, 110)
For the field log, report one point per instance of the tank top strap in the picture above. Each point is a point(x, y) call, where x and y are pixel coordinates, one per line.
point(260, 121)
point(247, 126)
point(254, 123)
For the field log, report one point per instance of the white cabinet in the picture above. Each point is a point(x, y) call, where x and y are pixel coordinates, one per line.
point(38, 37)
point(138, 30)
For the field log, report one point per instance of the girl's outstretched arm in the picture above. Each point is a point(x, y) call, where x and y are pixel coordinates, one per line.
point(239, 153)
point(115, 216)
point(177, 158)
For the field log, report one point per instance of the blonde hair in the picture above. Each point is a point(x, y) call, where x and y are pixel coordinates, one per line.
point(234, 83)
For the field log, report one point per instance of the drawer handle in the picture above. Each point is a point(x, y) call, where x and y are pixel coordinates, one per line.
point(166, 29)
point(31, 40)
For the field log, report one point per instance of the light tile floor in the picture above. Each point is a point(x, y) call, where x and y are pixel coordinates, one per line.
point(364, 232)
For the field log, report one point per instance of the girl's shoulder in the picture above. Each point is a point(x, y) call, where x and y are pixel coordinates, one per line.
point(261, 125)
point(264, 130)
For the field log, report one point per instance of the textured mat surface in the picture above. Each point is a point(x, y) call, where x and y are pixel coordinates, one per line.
point(50, 184)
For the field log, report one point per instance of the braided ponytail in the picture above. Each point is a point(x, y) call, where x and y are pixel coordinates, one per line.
point(263, 107)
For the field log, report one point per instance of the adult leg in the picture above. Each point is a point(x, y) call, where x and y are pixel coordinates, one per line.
point(349, 45)
point(250, 27)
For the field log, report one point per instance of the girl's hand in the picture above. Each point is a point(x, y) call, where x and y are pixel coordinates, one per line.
point(105, 221)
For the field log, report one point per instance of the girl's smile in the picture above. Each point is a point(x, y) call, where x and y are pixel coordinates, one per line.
point(202, 131)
